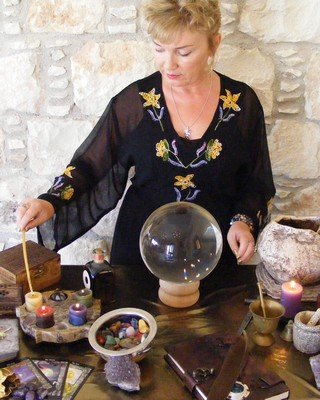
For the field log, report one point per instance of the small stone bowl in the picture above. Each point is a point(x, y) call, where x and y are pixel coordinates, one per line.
point(138, 352)
point(306, 338)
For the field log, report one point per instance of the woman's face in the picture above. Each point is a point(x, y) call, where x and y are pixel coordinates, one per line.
point(185, 60)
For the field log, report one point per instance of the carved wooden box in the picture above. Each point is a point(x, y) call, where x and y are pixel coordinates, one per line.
point(45, 268)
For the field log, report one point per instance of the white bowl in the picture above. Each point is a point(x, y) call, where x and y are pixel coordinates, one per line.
point(138, 352)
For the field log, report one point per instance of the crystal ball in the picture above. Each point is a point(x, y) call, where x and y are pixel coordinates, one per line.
point(181, 242)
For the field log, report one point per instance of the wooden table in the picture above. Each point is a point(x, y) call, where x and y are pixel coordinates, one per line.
point(221, 310)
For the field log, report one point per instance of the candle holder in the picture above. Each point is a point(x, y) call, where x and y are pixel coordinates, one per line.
point(265, 326)
point(62, 331)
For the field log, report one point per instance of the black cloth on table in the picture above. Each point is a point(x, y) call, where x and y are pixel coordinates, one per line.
point(227, 171)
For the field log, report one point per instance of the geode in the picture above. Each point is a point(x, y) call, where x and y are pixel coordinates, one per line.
point(289, 248)
point(123, 372)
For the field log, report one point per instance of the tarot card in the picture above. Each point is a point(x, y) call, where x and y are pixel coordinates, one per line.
point(76, 376)
point(31, 378)
point(56, 372)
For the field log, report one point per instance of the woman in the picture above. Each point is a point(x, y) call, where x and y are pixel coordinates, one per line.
point(191, 133)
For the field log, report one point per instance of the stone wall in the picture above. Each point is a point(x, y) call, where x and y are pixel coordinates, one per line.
point(62, 60)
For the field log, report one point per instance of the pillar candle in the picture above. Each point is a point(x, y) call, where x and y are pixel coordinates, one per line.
point(33, 300)
point(291, 293)
point(84, 296)
point(77, 314)
point(44, 317)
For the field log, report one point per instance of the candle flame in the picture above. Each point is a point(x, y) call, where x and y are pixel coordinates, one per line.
point(292, 284)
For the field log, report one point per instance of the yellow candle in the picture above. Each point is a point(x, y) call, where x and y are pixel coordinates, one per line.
point(33, 300)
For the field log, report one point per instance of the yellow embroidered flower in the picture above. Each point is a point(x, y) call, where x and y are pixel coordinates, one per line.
point(214, 148)
point(67, 193)
point(184, 181)
point(68, 170)
point(230, 100)
point(162, 148)
point(151, 98)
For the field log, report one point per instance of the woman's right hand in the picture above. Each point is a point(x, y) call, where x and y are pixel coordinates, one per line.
point(33, 212)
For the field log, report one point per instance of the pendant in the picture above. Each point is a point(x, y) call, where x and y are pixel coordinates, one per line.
point(187, 133)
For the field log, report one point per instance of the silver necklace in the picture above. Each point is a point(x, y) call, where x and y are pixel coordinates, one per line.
point(187, 128)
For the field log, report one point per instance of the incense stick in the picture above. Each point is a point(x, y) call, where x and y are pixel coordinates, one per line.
point(25, 258)
point(262, 300)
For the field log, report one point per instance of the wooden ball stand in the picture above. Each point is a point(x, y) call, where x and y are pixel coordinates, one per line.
point(179, 295)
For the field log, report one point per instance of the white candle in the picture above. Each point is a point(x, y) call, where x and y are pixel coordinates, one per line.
point(33, 300)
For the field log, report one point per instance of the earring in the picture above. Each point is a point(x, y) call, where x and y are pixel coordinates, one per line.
point(210, 62)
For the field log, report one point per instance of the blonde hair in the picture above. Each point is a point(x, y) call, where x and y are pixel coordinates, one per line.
point(166, 18)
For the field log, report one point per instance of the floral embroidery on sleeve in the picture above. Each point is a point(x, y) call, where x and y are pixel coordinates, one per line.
point(185, 182)
point(229, 103)
point(59, 189)
point(67, 193)
point(152, 100)
point(68, 170)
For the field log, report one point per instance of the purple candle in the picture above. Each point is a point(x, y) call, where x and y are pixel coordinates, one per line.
point(291, 293)
point(77, 314)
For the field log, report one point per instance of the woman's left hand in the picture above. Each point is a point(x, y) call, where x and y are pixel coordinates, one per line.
point(241, 241)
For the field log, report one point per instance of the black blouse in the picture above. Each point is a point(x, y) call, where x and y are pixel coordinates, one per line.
point(227, 171)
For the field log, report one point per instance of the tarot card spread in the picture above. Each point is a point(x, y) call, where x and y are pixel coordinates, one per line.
point(56, 372)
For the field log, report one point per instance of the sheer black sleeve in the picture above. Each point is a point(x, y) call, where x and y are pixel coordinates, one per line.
point(96, 176)
point(255, 184)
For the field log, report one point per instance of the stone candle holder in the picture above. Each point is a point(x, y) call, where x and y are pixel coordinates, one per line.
point(306, 338)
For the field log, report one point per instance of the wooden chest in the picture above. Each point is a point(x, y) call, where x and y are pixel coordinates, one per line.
point(45, 268)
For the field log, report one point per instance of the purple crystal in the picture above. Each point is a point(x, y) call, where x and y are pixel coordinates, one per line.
point(315, 366)
point(123, 372)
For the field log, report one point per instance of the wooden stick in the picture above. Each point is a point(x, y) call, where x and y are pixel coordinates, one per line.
point(25, 258)
point(262, 300)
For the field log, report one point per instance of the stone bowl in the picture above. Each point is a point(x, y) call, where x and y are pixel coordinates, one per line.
point(138, 352)
point(306, 338)
point(289, 248)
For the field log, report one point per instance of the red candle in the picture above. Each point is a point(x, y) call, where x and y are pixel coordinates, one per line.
point(291, 293)
point(44, 317)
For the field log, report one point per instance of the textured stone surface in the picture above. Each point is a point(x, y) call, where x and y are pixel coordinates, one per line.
point(304, 202)
point(129, 12)
point(52, 143)
point(253, 68)
point(67, 16)
point(294, 149)
point(312, 91)
point(20, 89)
point(291, 21)
point(98, 72)
point(2, 155)
point(290, 249)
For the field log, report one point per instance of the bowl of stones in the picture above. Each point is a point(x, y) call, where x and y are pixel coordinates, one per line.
point(124, 331)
